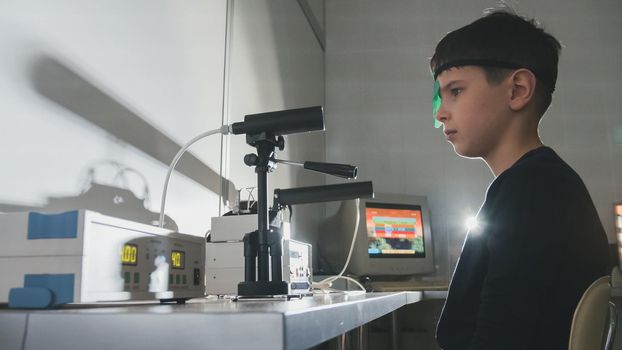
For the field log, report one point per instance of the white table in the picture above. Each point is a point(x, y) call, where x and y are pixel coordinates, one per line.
point(198, 324)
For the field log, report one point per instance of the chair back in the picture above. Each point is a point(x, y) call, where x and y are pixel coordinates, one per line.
point(592, 320)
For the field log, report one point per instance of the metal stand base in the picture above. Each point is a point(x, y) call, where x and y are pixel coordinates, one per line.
point(173, 300)
point(262, 288)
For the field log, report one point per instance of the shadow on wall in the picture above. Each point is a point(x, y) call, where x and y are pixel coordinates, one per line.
point(113, 200)
point(70, 90)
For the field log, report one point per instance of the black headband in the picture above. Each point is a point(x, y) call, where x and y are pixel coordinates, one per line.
point(490, 63)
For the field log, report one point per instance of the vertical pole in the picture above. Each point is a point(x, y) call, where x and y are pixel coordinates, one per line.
point(394, 331)
point(262, 217)
point(276, 252)
point(250, 256)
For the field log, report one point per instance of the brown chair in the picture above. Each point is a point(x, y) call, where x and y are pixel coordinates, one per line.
point(594, 321)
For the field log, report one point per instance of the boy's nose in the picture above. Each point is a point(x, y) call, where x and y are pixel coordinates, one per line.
point(441, 114)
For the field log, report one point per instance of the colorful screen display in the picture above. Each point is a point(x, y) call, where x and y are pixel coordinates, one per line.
point(394, 231)
point(129, 254)
point(178, 259)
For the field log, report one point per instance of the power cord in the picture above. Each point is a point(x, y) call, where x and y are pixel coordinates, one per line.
point(325, 284)
point(225, 129)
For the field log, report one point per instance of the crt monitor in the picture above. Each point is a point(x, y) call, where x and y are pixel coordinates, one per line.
point(394, 237)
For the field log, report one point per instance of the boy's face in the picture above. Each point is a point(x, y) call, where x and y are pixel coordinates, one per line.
point(475, 115)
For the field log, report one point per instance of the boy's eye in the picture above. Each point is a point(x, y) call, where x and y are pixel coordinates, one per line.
point(456, 91)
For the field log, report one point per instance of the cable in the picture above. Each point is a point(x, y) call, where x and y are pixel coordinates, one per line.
point(225, 129)
point(327, 282)
point(325, 287)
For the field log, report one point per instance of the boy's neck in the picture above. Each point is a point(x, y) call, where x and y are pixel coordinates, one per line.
point(506, 155)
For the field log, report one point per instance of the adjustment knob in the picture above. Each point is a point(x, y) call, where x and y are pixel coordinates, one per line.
point(280, 143)
point(251, 159)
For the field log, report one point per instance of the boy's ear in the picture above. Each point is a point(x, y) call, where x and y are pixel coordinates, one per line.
point(523, 88)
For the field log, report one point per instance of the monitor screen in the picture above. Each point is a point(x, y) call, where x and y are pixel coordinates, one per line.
point(394, 230)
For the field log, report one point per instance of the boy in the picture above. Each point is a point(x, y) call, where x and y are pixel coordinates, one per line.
point(539, 243)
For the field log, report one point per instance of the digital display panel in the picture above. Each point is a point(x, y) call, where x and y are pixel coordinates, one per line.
point(178, 259)
point(129, 254)
point(394, 230)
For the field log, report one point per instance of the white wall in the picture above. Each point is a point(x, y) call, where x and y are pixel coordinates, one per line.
point(276, 63)
point(155, 72)
point(378, 105)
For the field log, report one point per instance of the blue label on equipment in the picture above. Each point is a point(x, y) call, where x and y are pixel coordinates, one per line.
point(30, 298)
point(43, 291)
point(48, 226)
point(61, 285)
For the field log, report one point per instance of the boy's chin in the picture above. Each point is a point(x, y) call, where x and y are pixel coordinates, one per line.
point(465, 152)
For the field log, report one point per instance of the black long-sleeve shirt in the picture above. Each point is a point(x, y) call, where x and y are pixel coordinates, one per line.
point(538, 245)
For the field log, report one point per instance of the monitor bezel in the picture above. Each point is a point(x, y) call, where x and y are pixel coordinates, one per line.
point(363, 265)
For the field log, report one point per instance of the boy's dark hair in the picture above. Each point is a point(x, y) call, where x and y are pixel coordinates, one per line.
point(498, 42)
